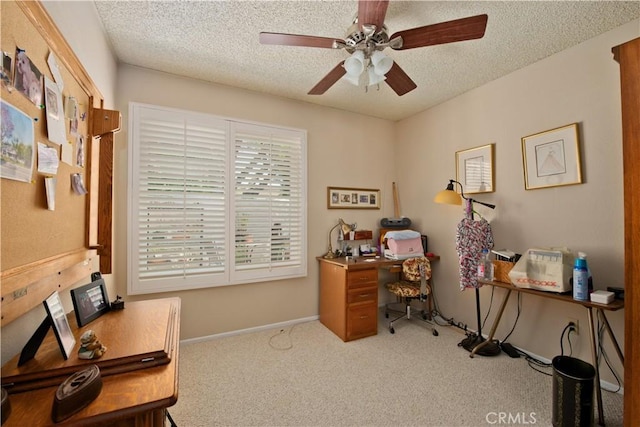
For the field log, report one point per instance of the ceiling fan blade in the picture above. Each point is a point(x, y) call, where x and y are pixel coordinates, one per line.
point(444, 32)
point(372, 12)
point(329, 80)
point(298, 40)
point(399, 81)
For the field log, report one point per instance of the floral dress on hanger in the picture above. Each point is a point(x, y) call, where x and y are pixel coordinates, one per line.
point(472, 236)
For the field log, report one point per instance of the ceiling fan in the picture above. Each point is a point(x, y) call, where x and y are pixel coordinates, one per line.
point(368, 37)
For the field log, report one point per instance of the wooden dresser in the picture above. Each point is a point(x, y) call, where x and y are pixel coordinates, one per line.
point(349, 297)
point(349, 294)
point(139, 370)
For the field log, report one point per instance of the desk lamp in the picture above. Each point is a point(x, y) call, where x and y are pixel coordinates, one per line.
point(346, 228)
point(450, 197)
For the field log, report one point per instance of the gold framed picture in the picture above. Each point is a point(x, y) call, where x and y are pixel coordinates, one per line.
point(552, 158)
point(474, 169)
point(352, 198)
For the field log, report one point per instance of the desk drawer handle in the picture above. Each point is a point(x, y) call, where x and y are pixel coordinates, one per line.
point(364, 317)
point(364, 295)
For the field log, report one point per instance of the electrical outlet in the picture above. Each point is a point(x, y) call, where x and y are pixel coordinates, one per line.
point(576, 325)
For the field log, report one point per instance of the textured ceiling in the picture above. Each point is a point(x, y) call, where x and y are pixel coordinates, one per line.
point(217, 41)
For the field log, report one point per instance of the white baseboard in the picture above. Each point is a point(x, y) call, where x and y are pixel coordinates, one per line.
point(249, 330)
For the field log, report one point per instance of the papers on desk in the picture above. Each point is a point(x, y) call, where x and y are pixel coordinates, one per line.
point(504, 254)
point(399, 257)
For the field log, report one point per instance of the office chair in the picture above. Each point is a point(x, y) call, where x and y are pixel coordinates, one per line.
point(411, 286)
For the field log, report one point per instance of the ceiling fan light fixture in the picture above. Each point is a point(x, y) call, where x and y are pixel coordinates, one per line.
point(374, 77)
point(381, 62)
point(355, 64)
point(354, 80)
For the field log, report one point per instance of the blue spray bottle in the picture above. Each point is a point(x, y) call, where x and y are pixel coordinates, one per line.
point(581, 278)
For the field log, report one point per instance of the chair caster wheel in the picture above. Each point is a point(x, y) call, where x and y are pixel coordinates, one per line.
point(435, 333)
point(393, 331)
point(424, 317)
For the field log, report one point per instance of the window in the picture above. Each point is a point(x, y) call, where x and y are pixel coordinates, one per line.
point(212, 201)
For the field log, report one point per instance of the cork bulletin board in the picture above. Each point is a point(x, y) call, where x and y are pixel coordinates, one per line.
point(42, 250)
point(29, 230)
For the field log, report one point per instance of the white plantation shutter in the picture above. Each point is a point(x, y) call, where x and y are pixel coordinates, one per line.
point(212, 202)
point(269, 201)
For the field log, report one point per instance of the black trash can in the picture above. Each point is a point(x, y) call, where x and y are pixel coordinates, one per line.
point(572, 392)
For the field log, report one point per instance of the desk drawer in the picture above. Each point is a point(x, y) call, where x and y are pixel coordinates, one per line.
point(363, 295)
point(359, 278)
point(362, 320)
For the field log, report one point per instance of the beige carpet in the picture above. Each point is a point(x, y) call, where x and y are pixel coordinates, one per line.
point(306, 376)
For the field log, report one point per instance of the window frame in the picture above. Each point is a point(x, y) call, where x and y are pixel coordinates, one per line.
point(274, 269)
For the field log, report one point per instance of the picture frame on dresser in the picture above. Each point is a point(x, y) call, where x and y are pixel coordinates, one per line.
point(90, 301)
point(60, 324)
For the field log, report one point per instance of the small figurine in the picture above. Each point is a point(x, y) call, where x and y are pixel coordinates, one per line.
point(90, 347)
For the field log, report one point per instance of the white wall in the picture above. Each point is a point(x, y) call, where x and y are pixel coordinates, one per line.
point(80, 25)
point(579, 85)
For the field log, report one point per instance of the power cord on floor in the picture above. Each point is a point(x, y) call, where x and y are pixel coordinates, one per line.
point(281, 332)
point(493, 288)
point(602, 352)
point(435, 313)
point(448, 321)
point(519, 310)
point(536, 363)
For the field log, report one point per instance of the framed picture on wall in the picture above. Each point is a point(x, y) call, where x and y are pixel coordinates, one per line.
point(552, 158)
point(352, 198)
point(474, 169)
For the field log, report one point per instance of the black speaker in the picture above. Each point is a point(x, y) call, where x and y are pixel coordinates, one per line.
point(395, 222)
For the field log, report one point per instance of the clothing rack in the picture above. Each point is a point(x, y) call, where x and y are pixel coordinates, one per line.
point(471, 341)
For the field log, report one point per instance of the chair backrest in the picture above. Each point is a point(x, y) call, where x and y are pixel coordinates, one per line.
point(411, 269)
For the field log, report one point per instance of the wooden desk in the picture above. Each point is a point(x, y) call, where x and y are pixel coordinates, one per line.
point(138, 397)
point(349, 294)
point(590, 306)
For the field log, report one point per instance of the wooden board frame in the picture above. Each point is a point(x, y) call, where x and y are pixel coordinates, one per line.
point(628, 56)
